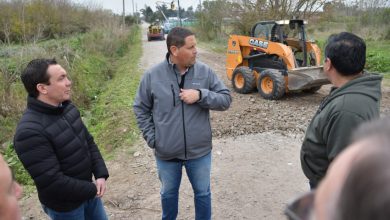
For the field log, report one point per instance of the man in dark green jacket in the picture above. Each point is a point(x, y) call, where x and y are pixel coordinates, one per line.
point(354, 98)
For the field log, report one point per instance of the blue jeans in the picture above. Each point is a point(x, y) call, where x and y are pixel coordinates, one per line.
point(198, 172)
point(92, 209)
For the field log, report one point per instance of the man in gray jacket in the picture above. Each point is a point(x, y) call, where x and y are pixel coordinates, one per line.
point(355, 98)
point(172, 110)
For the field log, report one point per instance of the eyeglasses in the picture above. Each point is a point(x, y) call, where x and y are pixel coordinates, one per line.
point(301, 208)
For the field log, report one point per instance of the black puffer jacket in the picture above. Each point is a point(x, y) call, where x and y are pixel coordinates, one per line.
point(59, 153)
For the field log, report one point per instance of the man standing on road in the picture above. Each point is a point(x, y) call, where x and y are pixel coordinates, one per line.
point(354, 98)
point(10, 192)
point(172, 109)
point(56, 148)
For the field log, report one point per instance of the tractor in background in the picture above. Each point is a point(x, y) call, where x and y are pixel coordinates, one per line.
point(275, 59)
point(155, 32)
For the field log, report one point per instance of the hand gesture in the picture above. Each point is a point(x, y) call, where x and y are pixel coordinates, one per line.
point(189, 96)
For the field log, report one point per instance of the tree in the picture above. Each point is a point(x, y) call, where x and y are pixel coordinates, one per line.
point(190, 12)
point(245, 13)
point(211, 18)
point(148, 14)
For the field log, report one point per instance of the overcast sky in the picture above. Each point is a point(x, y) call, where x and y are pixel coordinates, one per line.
point(116, 5)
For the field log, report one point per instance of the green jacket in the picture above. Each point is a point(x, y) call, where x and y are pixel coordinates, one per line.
point(337, 116)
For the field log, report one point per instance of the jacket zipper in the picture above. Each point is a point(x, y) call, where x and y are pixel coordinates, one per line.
point(184, 130)
point(182, 114)
point(173, 95)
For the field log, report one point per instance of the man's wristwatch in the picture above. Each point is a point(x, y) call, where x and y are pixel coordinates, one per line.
point(200, 95)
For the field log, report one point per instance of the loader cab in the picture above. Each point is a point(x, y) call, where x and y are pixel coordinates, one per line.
point(279, 31)
point(288, 32)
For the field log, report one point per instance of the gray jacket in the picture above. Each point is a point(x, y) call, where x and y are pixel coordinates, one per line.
point(173, 128)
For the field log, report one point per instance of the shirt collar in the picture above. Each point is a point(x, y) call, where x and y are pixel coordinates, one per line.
point(168, 57)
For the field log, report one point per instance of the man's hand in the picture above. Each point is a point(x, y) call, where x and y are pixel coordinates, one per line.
point(189, 96)
point(101, 187)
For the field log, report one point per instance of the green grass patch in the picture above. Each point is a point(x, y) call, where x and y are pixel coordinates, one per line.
point(378, 56)
point(7, 129)
point(17, 168)
point(91, 66)
point(112, 121)
point(218, 45)
point(89, 75)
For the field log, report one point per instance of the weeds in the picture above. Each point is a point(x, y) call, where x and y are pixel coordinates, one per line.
point(112, 121)
point(16, 166)
point(90, 61)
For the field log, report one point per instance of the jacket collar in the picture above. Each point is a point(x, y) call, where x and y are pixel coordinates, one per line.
point(39, 106)
point(368, 84)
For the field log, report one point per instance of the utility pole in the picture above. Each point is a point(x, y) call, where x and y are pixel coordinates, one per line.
point(123, 16)
point(136, 10)
point(133, 6)
point(132, 1)
point(178, 11)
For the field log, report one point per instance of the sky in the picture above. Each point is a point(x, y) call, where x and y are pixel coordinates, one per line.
point(116, 5)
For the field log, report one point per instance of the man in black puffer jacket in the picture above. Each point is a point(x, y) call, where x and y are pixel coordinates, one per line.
point(56, 148)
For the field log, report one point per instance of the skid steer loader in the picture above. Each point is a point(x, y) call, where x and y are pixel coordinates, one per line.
point(276, 58)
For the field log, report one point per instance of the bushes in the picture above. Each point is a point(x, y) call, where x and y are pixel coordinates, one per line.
point(33, 20)
point(88, 75)
point(16, 166)
point(88, 58)
point(378, 53)
point(112, 120)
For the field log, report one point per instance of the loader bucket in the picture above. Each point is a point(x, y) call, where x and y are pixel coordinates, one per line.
point(306, 78)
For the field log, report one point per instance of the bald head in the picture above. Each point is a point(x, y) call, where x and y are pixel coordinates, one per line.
point(356, 184)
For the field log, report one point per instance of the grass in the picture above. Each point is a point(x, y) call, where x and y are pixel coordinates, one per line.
point(17, 168)
point(219, 46)
point(107, 81)
point(378, 56)
point(111, 120)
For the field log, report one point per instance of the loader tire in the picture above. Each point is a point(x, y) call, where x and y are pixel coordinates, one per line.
point(243, 80)
point(312, 89)
point(271, 84)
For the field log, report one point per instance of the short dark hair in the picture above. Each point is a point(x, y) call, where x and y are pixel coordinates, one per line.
point(35, 73)
point(177, 36)
point(366, 193)
point(347, 53)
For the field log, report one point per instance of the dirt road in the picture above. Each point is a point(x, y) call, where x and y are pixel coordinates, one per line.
point(255, 169)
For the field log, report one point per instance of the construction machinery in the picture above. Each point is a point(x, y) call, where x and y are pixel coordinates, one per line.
point(155, 31)
point(276, 58)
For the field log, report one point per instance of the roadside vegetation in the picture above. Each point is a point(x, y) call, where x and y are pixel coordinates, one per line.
point(111, 120)
point(99, 53)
